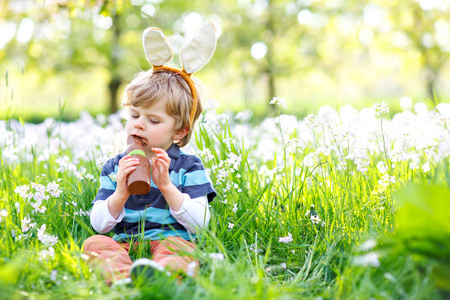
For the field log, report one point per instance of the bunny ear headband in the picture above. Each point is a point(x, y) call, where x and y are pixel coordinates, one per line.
point(193, 55)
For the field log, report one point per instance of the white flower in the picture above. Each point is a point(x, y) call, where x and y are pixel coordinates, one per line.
point(254, 248)
point(40, 188)
point(217, 256)
point(26, 224)
point(277, 101)
point(406, 103)
point(3, 214)
point(426, 167)
point(381, 167)
point(46, 254)
point(46, 239)
point(191, 269)
point(243, 116)
point(22, 191)
point(315, 219)
point(53, 189)
point(311, 121)
point(230, 225)
point(380, 108)
point(283, 265)
point(53, 275)
point(370, 259)
point(235, 208)
point(386, 180)
point(286, 239)
point(367, 245)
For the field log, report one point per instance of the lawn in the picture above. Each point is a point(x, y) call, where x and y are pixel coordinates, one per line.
point(338, 205)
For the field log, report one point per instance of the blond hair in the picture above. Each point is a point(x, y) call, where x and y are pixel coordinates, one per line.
point(149, 87)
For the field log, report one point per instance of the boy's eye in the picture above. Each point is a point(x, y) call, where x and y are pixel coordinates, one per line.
point(135, 116)
point(154, 121)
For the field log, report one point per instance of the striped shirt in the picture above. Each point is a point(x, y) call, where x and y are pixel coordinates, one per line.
point(148, 215)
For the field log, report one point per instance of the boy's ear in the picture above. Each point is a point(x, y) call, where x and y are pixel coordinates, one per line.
point(179, 134)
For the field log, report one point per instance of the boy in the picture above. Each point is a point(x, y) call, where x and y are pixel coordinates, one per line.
point(163, 106)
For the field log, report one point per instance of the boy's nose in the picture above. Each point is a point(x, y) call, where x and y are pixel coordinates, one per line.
point(139, 123)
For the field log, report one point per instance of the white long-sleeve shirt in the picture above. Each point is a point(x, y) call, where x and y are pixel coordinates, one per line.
point(193, 214)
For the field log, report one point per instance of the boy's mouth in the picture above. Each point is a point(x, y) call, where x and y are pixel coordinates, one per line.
point(143, 140)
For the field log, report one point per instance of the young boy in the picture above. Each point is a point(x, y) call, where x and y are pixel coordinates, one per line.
point(162, 111)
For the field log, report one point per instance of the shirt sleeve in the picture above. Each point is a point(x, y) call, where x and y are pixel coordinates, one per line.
point(101, 219)
point(108, 181)
point(193, 214)
point(196, 181)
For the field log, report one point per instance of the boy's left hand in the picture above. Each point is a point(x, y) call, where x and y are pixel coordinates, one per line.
point(160, 169)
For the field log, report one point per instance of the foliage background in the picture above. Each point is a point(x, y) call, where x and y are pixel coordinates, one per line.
point(311, 207)
point(311, 52)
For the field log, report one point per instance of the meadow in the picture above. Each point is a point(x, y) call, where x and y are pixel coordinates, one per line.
point(348, 204)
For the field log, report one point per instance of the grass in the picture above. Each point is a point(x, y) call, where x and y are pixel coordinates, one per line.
point(324, 210)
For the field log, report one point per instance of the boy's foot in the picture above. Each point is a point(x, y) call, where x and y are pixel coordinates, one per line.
point(145, 269)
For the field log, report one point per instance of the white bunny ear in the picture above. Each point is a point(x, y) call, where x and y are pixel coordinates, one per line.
point(196, 53)
point(157, 48)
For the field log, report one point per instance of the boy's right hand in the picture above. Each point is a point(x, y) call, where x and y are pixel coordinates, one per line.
point(127, 164)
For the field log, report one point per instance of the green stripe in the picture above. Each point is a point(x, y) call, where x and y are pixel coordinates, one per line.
point(137, 151)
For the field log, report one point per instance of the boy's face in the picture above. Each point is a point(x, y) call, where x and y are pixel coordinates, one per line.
point(154, 126)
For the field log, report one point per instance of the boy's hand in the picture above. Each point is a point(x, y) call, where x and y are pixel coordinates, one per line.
point(160, 169)
point(127, 164)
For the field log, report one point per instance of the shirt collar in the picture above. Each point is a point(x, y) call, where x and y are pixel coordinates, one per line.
point(174, 154)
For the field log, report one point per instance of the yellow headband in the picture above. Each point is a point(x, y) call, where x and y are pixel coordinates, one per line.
point(193, 56)
point(190, 82)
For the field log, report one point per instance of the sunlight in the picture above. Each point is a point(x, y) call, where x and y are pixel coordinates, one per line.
point(258, 50)
point(103, 22)
point(148, 10)
point(25, 30)
point(305, 17)
point(7, 32)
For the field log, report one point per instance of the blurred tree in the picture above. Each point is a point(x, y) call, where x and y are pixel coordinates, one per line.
point(260, 40)
point(425, 24)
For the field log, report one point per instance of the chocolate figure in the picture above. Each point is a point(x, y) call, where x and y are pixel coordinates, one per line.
point(138, 181)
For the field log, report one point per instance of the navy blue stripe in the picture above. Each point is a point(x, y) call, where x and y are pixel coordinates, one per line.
point(102, 195)
point(135, 228)
point(200, 190)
